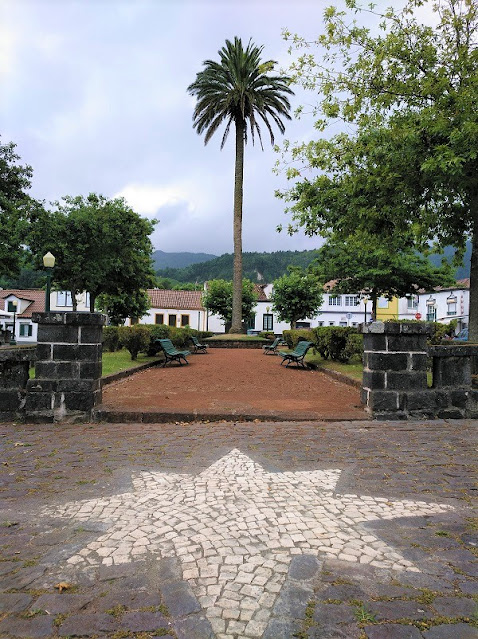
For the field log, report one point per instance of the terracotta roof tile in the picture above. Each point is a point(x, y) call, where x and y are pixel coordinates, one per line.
point(179, 300)
point(35, 296)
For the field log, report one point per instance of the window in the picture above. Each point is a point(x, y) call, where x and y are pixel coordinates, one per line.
point(172, 320)
point(354, 323)
point(184, 320)
point(382, 302)
point(431, 314)
point(412, 302)
point(302, 325)
point(335, 300)
point(267, 322)
point(331, 324)
point(63, 298)
point(87, 300)
point(159, 318)
point(12, 307)
point(251, 321)
point(351, 300)
point(321, 323)
point(451, 305)
point(342, 323)
point(26, 330)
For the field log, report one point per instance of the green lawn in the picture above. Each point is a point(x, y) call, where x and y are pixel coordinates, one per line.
point(236, 337)
point(121, 360)
point(353, 370)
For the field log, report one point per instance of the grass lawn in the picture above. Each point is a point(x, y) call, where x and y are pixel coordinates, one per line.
point(121, 360)
point(353, 369)
point(235, 337)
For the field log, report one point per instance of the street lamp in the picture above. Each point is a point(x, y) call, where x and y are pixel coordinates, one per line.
point(48, 263)
point(13, 340)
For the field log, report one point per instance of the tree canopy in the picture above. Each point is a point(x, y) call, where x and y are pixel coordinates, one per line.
point(296, 296)
point(15, 207)
point(361, 264)
point(218, 298)
point(100, 245)
point(408, 94)
point(239, 90)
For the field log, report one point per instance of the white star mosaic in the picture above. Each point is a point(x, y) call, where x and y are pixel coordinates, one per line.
point(235, 528)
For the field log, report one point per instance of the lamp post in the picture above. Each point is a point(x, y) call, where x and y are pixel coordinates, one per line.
point(48, 263)
point(13, 341)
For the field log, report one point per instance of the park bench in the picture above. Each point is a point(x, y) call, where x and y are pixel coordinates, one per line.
point(272, 348)
point(297, 355)
point(197, 346)
point(171, 354)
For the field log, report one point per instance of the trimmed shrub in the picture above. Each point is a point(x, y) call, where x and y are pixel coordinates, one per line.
point(353, 347)
point(294, 336)
point(178, 336)
point(135, 339)
point(111, 341)
point(331, 342)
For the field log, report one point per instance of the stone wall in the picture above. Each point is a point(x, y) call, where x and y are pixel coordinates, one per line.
point(15, 363)
point(395, 384)
point(67, 382)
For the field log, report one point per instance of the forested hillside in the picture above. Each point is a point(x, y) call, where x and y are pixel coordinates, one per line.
point(257, 267)
point(161, 259)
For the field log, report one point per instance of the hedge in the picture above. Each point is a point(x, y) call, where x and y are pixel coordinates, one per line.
point(142, 340)
point(339, 343)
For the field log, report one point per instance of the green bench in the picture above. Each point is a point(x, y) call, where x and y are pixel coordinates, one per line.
point(171, 353)
point(197, 346)
point(297, 355)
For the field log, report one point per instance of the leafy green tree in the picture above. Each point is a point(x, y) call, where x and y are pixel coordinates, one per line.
point(239, 90)
point(363, 264)
point(123, 305)
point(218, 298)
point(410, 93)
point(296, 296)
point(100, 245)
point(135, 339)
point(15, 206)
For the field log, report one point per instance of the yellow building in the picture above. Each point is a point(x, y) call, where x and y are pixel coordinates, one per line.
point(387, 309)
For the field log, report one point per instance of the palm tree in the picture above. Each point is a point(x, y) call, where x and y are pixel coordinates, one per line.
point(238, 90)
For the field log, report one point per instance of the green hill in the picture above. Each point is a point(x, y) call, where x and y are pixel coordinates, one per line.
point(161, 259)
point(267, 267)
point(257, 267)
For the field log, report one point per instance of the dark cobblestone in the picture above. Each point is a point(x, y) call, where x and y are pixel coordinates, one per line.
point(392, 631)
point(35, 628)
point(451, 631)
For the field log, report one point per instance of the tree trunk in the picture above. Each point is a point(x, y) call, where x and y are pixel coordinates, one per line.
point(374, 305)
point(473, 318)
point(237, 276)
point(92, 302)
point(73, 301)
point(293, 324)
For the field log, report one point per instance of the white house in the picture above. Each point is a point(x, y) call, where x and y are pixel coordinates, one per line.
point(17, 307)
point(446, 304)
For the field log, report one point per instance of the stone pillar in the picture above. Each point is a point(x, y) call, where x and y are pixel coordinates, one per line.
point(67, 382)
point(14, 369)
point(395, 368)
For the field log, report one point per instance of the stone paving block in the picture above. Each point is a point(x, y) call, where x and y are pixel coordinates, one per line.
point(327, 615)
point(292, 601)
point(451, 631)
point(455, 606)
point(63, 603)
point(36, 628)
point(304, 567)
point(392, 631)
point(194, 627)
point(130, 600)
point(14, 601)
point(143, 621)
point(179, 599)
point(346, 631)
point(87, 625)
point(400, 610)
point(280, 629)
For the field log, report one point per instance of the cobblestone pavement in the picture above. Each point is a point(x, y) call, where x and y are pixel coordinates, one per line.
point(359, 530)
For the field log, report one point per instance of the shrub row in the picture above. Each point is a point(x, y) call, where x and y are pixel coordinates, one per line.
point(141, 337)
point(339, 343)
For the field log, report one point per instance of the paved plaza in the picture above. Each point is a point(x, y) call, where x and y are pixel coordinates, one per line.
point(360, 530)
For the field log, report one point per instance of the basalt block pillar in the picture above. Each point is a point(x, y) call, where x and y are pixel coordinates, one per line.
point(67, 384)
point(395, 368)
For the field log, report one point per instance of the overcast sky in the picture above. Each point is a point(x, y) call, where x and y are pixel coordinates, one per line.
point(93, 92)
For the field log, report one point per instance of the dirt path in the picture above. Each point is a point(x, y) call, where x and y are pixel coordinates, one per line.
point(234, 381)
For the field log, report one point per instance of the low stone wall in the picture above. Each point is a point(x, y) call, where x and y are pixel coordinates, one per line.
point(67, 384)
point(15, 363)
point(395, 374)
point(237, 343)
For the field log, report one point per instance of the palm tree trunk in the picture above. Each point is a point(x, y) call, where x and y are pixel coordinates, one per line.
point(237, 276)
point(473, 317)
